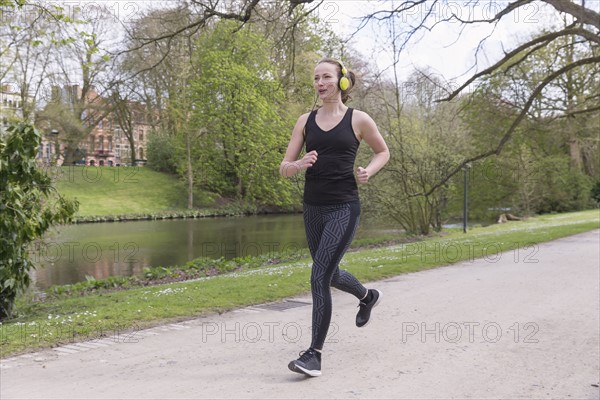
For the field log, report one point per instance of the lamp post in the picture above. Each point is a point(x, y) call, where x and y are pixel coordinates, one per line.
point(466, 196)
point(54, 133)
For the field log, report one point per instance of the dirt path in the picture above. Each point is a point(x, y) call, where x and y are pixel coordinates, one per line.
point(520, 325)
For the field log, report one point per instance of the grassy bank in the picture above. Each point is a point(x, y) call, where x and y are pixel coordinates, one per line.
point(119, 190)
point(76, 318)
point(108, 194)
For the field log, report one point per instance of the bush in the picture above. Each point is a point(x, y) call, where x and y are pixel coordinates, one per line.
point(595, 193)
point(160, 153)
point(562, 189)
point(29, 206)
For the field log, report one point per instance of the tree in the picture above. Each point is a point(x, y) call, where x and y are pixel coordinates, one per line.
point(237, 98)
point(282, 20)
point(160, 71)
point(158, 74)
point(554, 129)
point(426, 141)
point(76, 104)
point(27, 42)
point(584, 28)
point(29, 206)
point(126, 113)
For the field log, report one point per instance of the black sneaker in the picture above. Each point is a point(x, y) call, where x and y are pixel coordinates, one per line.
point(362, 318)
point(309, 363)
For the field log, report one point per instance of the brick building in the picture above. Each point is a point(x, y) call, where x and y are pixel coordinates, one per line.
point(106, 144)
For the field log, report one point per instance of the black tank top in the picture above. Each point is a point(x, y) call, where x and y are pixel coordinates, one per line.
point(331, 179)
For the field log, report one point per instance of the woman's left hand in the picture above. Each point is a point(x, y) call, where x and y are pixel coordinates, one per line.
point(362, 175)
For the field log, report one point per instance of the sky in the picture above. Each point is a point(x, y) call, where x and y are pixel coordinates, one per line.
point(444, 50)
point(440, 50)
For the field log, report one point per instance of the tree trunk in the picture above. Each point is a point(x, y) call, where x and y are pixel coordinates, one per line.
point(132, 148)
point(574, 150)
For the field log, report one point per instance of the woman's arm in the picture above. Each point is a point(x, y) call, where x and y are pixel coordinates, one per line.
point(290, 165)
point(367, 130)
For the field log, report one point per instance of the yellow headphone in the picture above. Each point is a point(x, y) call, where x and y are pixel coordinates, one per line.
point(344, 82)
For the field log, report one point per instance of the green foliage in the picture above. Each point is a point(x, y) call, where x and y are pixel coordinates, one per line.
point(29, 206)
point(595, 193)
point(238, 103)
point(493, 185)
point(561, 188)
point(160, 153)
point(551, 160)
point(224, 211)
point(91, 285)
point(9, 4)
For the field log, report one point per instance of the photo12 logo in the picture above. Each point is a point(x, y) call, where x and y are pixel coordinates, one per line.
point(471, 332)
point(90, 251)
point(450, 252)
point(460, 12)
point(253, 332)
point(92, 174)
point(69, 332)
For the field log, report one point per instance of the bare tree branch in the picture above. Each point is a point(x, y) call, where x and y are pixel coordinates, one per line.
point(578, 112)
point(538, 42)
point(584, 15)
point(510, 8)
point(536, 92)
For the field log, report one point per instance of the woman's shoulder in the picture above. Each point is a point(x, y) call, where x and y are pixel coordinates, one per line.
point(306, 115)
point(363, 124)
point(360, 117)
point(302, 119)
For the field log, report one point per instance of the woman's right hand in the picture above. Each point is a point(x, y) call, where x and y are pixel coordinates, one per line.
point(291, 168)
point(308, 160)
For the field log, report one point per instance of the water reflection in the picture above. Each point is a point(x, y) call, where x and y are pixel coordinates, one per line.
point(70, 253)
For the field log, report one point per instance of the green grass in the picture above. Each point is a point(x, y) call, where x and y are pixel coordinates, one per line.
point(71, 319)
point(119, 190)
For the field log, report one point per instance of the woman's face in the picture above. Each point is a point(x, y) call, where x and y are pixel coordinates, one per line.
point(326, 80)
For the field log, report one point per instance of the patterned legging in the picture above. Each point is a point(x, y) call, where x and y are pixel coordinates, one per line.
point(329, 231)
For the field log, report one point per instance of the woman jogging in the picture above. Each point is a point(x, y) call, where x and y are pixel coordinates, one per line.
point(332, 134)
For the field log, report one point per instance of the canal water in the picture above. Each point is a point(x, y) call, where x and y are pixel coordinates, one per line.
point(70, 253)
